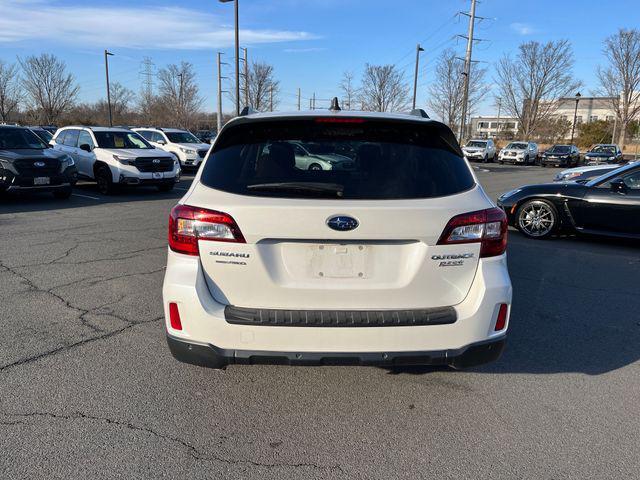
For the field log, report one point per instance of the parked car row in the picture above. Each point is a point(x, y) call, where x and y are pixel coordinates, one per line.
point(526, 153)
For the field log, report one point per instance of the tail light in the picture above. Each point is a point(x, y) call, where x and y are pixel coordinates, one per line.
point(487, 227)
point(188, 225)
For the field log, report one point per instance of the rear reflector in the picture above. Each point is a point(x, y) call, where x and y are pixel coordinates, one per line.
point(501, 321)
point(174, 317)
point(188, 225)
point(488, 227)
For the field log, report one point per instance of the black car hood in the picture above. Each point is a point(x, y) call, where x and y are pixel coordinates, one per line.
point(12, 155)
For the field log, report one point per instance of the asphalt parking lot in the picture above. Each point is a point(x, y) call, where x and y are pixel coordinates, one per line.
point(89, 389)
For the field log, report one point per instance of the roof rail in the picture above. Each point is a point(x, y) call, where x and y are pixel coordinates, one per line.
point(418, 112)
point(247, 111)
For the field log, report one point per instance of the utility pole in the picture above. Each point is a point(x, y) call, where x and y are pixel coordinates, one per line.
point(314, 101)
point(415, 77)
point(220, 77)
point(298, 98)
point(467, 70)
point(271, 98)
point(180, 108)
point(246, 78)
point(310, 105)
point(108, 54)
point(237, 47)
point(499, 100)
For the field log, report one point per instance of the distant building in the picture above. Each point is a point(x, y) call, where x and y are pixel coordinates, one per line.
point(489, 127)
point(590, 109)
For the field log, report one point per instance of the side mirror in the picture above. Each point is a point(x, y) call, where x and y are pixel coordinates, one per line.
point(161, 142)
point(86, 147)
point(618, 185)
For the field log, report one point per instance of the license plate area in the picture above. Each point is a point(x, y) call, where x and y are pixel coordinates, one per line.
point(41, 181)
point(157, 175)
point(340, 261)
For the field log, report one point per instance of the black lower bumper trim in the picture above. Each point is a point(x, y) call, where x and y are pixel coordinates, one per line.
point(339, 318)
point(215, 357)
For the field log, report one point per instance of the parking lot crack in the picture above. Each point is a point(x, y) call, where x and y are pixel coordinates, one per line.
point(191, 449)
point(80, 343)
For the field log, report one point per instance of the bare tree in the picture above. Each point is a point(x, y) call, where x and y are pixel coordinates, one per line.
point(179, 93)
point(121, 100)
point(620, 79)
point(446, 92)
point(50, 90)
point(531, 84)
point(263, 87)
point(384, 89)
point(349, 90)
point(10, 91)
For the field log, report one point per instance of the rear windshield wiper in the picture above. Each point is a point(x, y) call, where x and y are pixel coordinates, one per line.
point(330, 189)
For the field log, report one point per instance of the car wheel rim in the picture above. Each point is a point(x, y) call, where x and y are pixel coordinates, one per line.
point(536, 219)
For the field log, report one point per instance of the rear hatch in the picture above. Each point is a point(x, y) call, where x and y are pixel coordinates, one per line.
point(365, 239)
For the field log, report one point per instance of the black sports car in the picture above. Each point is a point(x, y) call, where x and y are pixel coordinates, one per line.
point(607, 205)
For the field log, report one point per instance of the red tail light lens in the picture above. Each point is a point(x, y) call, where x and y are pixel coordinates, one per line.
point(174, 317)
point(501, 321)
point(188, 225)
point(489, 227)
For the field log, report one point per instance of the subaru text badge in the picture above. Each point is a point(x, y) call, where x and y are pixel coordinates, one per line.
point(342, 223)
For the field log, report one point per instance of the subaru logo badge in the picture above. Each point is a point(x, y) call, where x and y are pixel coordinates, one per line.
point(342, 223)
point(39, 164)
point(156, 160)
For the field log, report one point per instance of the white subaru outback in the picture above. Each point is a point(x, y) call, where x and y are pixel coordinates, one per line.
point(116, 157)
point(398, 260)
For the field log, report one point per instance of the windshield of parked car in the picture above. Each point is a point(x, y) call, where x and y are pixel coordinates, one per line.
point(604, 149)
point(559, 149)
point(20, 139)
point(362, 159)
point(517, 146)
point(181, 137)
point(44, 135)
point(117, 139)
point(477, 144)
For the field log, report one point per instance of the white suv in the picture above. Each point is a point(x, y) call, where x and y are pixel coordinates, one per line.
point(480, 150)
point(117, 157)
point(183, 144)
point(400, 260)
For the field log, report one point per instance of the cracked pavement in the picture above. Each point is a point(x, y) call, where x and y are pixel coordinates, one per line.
point(89, 389)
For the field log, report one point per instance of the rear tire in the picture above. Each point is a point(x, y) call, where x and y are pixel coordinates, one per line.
point(315, 167)
point(62, 194)
point(105, 181)
point(485, 159)
point(537, 219)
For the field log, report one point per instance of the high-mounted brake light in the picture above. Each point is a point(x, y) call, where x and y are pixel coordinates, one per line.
point(339, 120)
point(488, 227)
point(188, 225)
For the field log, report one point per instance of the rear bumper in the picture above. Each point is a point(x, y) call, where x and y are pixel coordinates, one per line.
point(208, 355)
point(204, 323)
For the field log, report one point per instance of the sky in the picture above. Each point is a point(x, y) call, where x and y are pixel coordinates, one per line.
point(310, 43)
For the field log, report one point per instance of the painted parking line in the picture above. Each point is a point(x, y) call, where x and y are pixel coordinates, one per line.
point(85, 196)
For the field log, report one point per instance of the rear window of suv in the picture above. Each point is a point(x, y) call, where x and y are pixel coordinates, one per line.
point(349, 159)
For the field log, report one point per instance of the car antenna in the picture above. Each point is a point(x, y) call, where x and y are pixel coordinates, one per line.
point(335, 105)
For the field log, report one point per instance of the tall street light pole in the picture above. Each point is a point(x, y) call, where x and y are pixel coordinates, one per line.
point(237, 54)
point(575, 116)
point(415, 77)
point(108, 54)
